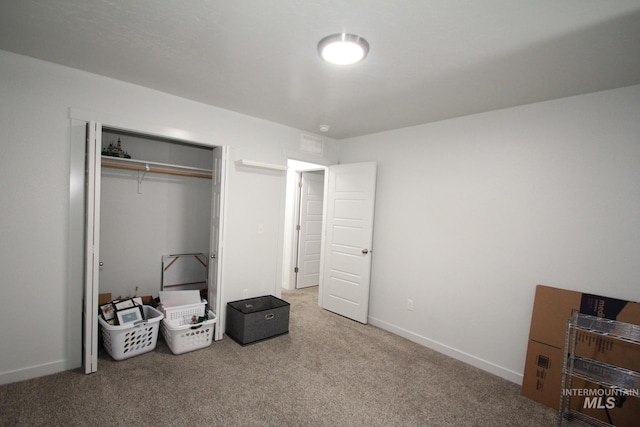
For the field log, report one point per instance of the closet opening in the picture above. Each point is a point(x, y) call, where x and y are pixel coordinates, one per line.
point(149, 200)
point(155, 214)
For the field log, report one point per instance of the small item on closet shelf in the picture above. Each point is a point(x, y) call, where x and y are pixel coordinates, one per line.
point(115, 150)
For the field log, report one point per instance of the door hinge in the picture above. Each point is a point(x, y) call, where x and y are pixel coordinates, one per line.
point(300, 184)
point(295, 270)
point(298, 227)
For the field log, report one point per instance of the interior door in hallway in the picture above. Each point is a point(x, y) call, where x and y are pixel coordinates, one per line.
point(310, 224)
point(346, 264)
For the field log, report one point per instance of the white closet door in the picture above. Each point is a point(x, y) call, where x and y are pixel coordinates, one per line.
point(218, 179)
point(92, 245)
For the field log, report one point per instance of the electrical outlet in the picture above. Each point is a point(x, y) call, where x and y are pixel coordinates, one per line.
point(410, 304)
point(245, 293)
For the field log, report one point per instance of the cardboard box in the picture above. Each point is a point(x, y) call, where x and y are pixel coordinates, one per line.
point(543, 374)
point(149, 300)
point(104, 298)
point(542, 383)
point(545, 352)
point(552, 307)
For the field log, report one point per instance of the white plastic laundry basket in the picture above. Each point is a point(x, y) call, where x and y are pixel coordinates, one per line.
point(123, 342)
point(181, 338)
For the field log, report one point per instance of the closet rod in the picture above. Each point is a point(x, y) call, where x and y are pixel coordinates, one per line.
point(142, 166)
point(156, 170)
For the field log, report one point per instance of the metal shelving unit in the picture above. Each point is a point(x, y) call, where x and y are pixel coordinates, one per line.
point(612, 379)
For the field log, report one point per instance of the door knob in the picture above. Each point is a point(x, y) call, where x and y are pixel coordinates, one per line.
point(213, 256)
point(101, 264)
point(365, 251)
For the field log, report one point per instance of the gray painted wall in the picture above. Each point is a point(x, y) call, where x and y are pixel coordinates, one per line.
point(473, 213)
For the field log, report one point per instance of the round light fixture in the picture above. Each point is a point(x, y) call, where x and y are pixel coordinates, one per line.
point(343, 49)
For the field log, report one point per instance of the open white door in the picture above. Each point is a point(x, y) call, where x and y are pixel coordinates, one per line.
point(92, 247)
point(346, 264)
point(310, 226)
point(220, 155)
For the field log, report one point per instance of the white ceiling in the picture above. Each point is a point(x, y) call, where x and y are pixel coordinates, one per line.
point(429, 60)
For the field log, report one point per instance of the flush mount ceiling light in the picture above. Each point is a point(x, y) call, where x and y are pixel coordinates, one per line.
point(343, 49)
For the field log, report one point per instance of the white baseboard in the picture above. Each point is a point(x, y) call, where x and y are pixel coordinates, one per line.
point(33, 372)
point(470, 359)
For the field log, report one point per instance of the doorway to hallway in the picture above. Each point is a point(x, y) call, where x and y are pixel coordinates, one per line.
point(303, 224)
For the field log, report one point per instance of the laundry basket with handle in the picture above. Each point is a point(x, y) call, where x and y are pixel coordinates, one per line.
point(125, 341)
point(181, 337)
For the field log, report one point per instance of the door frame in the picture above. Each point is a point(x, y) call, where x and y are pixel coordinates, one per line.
point(291, 215)
point(302, 217)
point(291, 211)
point(80, 221)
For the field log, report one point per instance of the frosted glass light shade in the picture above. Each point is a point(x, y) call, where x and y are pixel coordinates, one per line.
point(343, 49)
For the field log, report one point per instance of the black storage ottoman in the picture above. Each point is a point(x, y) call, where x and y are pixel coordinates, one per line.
point(255, 319)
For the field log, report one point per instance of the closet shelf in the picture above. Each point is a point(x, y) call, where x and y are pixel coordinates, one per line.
point(155, 167)
point(261, 165)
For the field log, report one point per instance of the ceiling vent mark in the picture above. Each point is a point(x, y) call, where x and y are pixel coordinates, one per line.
point(311, 144)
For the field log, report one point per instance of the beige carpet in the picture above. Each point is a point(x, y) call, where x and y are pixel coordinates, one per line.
point(328, 371)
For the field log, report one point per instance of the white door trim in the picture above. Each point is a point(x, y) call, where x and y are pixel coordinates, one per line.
point(291, 216)
point(309, 235)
